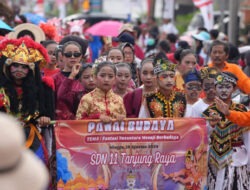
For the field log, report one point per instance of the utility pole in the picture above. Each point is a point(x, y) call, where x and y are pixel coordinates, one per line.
point(222, 16)
point(152, 8)
point(233, 28)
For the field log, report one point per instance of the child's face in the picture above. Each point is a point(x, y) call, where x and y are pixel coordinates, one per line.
point(87, 79)
point(224, 90)
point(71, 55)
point(123, 76)
point(115, 56)
point(105, 78)
point(193, 89)
point(209, 88)
point(148, 77)
point(166, 80)
point(51, 52)
point(129, 55)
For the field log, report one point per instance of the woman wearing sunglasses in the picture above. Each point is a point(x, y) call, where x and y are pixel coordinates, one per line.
point(67, 87)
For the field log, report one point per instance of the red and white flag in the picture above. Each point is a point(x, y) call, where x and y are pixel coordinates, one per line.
point(206, 8)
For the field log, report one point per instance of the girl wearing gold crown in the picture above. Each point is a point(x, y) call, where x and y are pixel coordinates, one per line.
point(21, 89)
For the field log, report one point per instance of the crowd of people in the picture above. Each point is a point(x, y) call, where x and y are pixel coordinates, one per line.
point(145, 72)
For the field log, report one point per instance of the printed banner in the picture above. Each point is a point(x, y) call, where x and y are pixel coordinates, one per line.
point(139, 154)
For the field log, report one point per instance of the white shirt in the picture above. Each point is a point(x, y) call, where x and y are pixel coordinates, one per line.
point(198, 108)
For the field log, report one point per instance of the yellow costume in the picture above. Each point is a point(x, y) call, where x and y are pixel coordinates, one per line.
point(97, 102)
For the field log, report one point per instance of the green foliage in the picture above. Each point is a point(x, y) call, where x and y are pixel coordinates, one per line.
point(182, 22)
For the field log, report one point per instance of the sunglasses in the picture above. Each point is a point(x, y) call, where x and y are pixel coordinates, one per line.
point(75, 54)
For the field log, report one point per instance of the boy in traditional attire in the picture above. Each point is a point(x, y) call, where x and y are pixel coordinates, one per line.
point(192, 89)
point(227, 161)
point(168, 101)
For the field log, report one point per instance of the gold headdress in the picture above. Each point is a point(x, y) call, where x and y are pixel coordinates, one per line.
point(24, 51)
point(164, 65)
point(20, 55)
point(208, 72)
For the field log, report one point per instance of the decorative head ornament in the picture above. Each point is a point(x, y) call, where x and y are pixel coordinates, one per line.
point(226, 77)
point(192, 75)
point(24, 51)
point(57, 23)
point(20, 55)
point(164, 65)
point(76, 26)
point(208, 72)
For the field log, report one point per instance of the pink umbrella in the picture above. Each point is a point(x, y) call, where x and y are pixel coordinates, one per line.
point(105, 28)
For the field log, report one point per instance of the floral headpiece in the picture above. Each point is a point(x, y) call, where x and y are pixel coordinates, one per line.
point(49, 30)
point(164, 65)
point(208, 72)
point(57, 23)
point(226, 77)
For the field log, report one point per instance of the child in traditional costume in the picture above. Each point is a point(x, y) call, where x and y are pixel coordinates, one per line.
point(227, 161)
point(135, 101)
point(102, 103)
point(21, 89)
point(208, 75)
point(86, 78)
point(51, 67)
point(168, 101)
point(192, 89)
point(123, 77)
point(67, 87)
point(115, 55)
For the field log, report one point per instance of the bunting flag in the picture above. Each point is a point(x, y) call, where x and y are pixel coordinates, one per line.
point(206, 8)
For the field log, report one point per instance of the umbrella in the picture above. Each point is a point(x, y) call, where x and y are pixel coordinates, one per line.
point(4, 28)
point(34, 18)
point(105, 28)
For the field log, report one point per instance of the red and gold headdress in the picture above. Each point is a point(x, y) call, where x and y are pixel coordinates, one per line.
point(24, 51)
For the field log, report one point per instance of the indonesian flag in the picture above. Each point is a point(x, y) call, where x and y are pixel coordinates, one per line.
point(206, 8)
